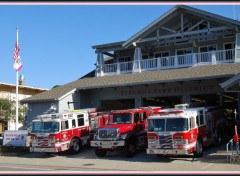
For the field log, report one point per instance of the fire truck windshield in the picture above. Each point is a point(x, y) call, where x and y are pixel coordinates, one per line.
point(120, 118)
point(168, 124)
point(45, 127)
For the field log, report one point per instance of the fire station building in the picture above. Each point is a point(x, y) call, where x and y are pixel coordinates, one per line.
point(187, 55)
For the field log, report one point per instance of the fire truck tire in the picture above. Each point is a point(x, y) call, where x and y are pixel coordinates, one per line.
point(130, 149)
point(100, 153)
point(199, 149)
point(75, 146)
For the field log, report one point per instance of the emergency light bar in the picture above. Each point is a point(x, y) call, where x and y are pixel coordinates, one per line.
point(170, 111)
point(46, 116)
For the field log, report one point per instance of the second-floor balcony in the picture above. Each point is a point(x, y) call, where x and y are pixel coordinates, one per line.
point(170, 62)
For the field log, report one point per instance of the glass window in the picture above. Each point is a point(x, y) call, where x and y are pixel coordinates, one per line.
point(208, 48)
point(80, 121)
point(45, 127)
point(177, 124)
point(201, 118)
point(192, 122)
point(64, 125)
point(136, 117)
point(145, 56)
point(73, 123)
point(156, 124)
point(121, 118)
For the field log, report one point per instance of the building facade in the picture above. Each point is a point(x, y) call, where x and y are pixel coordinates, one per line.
point(181, 57)
point(8, 92)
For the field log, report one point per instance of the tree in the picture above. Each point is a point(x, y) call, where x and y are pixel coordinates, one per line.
point(8, 109)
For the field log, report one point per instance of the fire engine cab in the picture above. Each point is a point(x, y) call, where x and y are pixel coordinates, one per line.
point(125, 130)
point(182, 130)
point(60, 132)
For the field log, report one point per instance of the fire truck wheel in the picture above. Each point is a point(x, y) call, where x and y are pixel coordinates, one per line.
point(199, 149)
point(100, 153)
point(130, 149)
point(75, 146)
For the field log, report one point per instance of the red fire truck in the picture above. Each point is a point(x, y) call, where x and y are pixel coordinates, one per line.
point(183, 130)
point(61, 131)
point(96, 120)
point(125, 130)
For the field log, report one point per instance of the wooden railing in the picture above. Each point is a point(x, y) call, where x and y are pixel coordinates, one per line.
point(177, 61)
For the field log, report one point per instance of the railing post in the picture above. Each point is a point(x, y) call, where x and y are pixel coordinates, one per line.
point(194, 59)
point(214, 61)
point(118, 68)
point(176, 61)
point(158, 63)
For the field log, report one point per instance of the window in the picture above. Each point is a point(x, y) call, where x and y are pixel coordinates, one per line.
point(184, 51)
point(156, 124)
point(208, 48)
point(124, 59)
point(164, 57)
point(64, 125)
point(73, 123)
point(192, 122)
point(136, 117)
point(161, 54)
point(143, 116)
point(80, 121)
point(229, 53)
point(184, 56)
point(201, 117)
point(145, 56)
point(177, 124)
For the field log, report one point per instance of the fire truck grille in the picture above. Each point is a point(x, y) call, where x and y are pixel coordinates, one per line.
point(109, 133)
point(166, 141)
point(42, 141)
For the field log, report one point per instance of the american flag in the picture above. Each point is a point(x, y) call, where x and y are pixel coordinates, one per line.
point(165, 141)
point(16, 50)
point(17, 61)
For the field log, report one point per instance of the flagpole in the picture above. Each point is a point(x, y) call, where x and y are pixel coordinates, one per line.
point(16, 127)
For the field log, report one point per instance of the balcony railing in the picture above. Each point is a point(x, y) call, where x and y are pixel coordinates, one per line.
point(177, 61)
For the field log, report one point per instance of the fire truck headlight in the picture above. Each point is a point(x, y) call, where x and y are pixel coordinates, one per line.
point(180, 141)
point(122, 137)
point(152, 142)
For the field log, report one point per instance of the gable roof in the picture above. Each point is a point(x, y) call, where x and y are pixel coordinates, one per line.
point(173, 12)
point(232, 84)
point(149, 77)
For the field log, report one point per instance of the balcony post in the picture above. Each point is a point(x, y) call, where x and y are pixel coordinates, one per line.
point(214, 61)
point(99, 65)
point(137, 60)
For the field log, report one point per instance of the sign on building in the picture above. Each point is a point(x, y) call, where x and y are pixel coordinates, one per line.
point(15, 138)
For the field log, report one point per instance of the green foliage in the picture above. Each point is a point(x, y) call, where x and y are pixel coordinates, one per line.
point(229, 113)
point(8, 110)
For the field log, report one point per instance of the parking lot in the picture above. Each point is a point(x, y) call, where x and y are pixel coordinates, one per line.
point(213, 160)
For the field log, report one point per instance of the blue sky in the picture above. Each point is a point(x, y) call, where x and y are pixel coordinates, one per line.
point(56, 40)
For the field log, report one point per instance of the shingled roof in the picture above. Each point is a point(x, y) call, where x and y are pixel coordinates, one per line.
point(147, 77)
